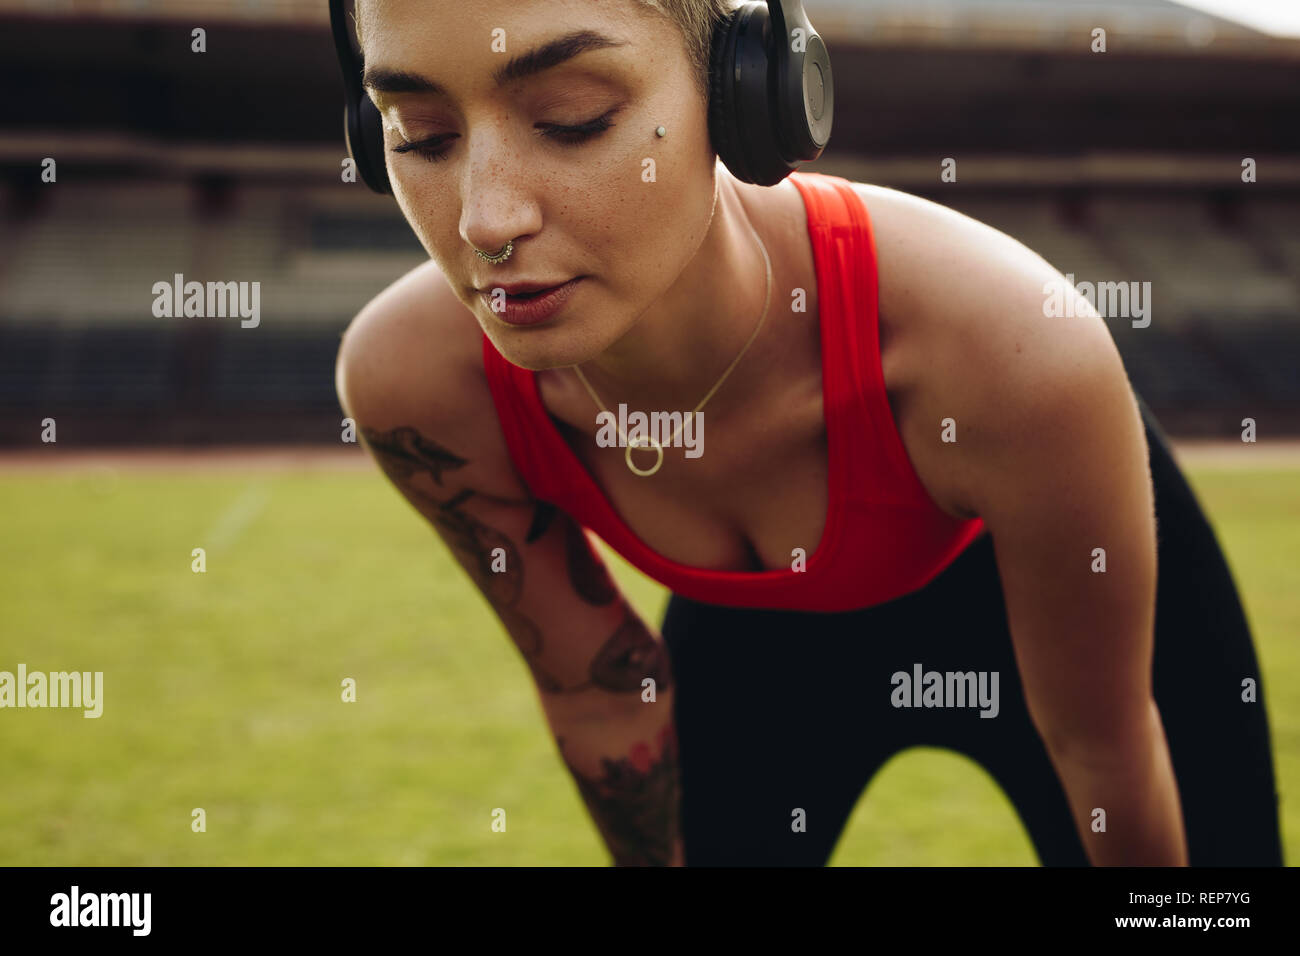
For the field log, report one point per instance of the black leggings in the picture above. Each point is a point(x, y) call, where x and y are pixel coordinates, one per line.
point(778, 710)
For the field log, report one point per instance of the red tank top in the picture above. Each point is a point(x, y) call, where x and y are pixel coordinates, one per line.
point(884, 535)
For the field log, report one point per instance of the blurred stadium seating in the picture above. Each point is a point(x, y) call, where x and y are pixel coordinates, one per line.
point(1118, 169)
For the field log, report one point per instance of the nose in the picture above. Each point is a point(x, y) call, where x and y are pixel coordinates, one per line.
point(497, 201)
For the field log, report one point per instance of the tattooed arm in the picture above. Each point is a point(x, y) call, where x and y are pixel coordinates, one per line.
point(620, 750)
point(633, 797)
point(590, 654)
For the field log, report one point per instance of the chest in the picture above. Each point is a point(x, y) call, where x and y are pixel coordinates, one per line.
point(745, 504)
point(759, 493)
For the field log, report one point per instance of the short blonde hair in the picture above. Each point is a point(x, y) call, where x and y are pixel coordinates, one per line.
point(695, 19)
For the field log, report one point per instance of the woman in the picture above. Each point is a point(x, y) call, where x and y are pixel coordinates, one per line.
point(923, 513)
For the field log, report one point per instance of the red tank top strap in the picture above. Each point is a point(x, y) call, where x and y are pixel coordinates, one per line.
point(898, 539)
point(847, 281)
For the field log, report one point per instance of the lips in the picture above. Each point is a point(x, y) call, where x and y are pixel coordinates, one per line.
point(523, 288)
point(529, 308)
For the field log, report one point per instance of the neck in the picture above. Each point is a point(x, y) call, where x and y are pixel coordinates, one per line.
point(682, 344)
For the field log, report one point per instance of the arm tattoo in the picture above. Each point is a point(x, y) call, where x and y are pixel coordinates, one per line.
point(636, 801)
point(629, 655)
point(586, 572)
point(404, 451)
point(543, 515)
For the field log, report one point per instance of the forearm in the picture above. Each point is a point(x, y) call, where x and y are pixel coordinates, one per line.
point(627, 771)
point(1132, 779)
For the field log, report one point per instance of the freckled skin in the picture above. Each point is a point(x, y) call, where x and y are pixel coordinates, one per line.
point(675, 279)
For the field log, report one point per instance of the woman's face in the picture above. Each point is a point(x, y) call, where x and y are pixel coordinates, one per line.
point(621, 206)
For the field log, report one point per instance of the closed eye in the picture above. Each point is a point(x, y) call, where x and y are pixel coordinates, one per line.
point(435, 148)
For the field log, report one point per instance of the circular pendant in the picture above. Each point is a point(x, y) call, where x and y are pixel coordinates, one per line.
point(659, 450)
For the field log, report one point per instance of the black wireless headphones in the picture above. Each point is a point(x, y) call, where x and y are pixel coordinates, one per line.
point(770, 105)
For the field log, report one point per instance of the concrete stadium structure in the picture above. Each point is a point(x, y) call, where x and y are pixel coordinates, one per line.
point(1116, 167)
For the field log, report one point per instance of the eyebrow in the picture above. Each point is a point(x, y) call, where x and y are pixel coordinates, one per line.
point(549, 54)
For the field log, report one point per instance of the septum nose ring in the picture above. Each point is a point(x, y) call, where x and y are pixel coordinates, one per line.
point(497, 257)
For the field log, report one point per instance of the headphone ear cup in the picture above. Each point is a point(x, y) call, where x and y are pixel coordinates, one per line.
point(722, 112)
point(370, 154)
point(363, 128)
point(742, 108)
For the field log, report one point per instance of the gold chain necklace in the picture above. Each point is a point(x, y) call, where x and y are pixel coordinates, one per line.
point(650, 440)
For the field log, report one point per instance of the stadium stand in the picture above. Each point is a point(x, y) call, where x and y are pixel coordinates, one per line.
point(1089, 167)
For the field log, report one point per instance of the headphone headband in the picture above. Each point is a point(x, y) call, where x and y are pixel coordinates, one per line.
point(771, 97)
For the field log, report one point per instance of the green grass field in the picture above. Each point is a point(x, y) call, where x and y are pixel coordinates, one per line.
point(222, 689)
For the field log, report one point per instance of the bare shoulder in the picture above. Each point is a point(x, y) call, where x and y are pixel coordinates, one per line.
point(964, 336)
point(932, 258)
point(410, 364)
point(948, 279)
